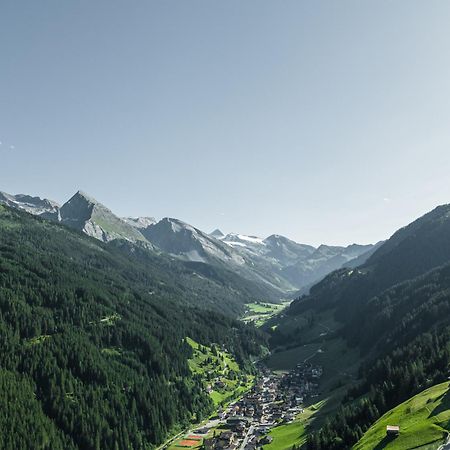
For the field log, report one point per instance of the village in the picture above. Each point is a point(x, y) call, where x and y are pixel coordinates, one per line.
point(245, 424)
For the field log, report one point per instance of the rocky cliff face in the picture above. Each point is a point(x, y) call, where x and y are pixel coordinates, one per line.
point(85, 214)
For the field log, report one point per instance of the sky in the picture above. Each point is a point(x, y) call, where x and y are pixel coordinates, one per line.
point(324, 121)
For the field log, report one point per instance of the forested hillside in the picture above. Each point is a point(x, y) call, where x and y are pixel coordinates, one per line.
point(395, 310)
point(408, 328)
point(93, 343)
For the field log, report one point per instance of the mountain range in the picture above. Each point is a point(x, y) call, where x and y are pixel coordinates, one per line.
point(279, 264)
point(96, 312)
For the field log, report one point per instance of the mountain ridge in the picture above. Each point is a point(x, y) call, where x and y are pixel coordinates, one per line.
point(276, 262)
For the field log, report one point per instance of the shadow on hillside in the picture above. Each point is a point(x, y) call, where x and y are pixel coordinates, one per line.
point(443, 406)
point(386, 440)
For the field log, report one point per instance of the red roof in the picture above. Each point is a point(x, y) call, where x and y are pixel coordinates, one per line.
point(187, 443)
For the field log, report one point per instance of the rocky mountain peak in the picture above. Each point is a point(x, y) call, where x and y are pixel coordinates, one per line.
point(217, 234)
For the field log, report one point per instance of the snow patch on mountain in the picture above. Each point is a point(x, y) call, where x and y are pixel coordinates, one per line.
point(139, 222)
point(48, 209)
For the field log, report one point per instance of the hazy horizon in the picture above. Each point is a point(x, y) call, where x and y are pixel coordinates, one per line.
point(322, 122)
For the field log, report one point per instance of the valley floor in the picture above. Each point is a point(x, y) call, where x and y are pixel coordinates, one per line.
point(259, 313)
point(269, 415)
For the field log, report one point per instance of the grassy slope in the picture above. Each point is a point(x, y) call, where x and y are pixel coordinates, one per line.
point(423, 419)
point(285, 436)
point(221, 366)
point(259, 313)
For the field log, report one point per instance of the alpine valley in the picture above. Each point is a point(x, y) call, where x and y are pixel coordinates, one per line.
point(139, 333)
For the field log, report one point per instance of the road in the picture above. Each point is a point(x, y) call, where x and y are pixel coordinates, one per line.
point(445, 446)
point(249, 433)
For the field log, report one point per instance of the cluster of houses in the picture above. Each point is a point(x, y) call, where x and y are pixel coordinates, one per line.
point(303, 381)
point(273, 400)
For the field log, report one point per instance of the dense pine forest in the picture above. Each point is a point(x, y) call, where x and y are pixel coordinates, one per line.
point(93, 342)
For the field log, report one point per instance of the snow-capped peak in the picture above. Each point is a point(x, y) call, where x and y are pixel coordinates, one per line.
point(139, 222)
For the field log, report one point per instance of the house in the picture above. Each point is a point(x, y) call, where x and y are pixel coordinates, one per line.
point(266, 440)
point(392, 430)
point(227, 436)
point(232, 446)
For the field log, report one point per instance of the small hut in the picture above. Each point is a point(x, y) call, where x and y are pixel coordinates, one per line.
point(392, 430)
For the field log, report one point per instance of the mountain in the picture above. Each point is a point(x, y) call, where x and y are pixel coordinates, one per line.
point(139, 222)
point(205, 285)
point(299, 265)
point(179, 238)
point(241, 240)
point(188, 243)
point(402, 337)
point(321, 262)
point(286, 251)
point(279, 249)
point(86, 214)
point(217, 234)
point(363, 257)
point(391, 313)
point(95, 349)
point(277, 263)
point(44, 208)
point(410, 252)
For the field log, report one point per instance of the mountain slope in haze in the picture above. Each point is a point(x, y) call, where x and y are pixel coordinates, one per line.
point(363, 257)
point(85, 214)
point(285, 250)
point(275, 248)
point(321, 262)
point(94, 352)
point(207, 286)
point(184, 241)
point(410, 252)
point(179, 238)
point(299, 265)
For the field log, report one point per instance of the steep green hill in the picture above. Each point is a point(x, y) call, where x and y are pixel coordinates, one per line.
point(93, 343)
point(424, 420)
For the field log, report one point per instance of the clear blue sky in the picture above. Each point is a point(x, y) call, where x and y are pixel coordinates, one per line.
point(324, 121)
